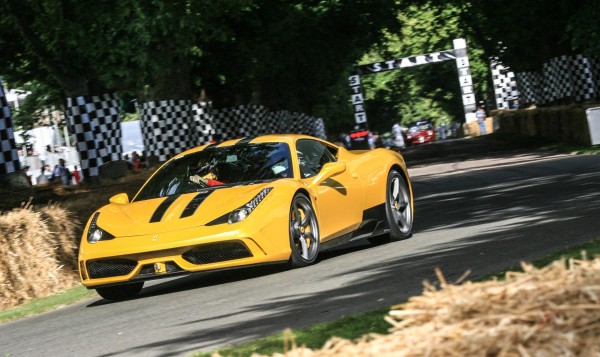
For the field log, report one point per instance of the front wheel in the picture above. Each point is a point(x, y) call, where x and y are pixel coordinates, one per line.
point(398, 207)
point(304, 232)
point(120, 292)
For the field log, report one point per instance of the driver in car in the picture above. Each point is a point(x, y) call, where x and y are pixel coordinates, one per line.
point(207, 174)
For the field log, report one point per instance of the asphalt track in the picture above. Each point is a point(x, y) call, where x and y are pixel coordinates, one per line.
point(480, 207)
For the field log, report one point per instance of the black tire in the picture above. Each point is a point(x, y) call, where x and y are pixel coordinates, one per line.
point(398, 208)
point(120, 292)
point(304, 232)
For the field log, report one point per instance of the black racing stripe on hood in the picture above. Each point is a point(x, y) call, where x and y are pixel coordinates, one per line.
point(162, 208)
point(246, 140)
point(191, 208)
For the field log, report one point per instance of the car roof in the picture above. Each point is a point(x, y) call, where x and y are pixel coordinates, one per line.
point(269, 138)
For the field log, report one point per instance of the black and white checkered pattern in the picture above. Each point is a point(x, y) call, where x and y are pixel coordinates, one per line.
point(582, 78)
point(9, 158)
point(505, 85)
point(561, 77)
point(557, 79)
point(205, 130)
point(168, 128)
point(240, 121)
point(280, 122)
point(319, 128)
point(595, 64)
point(94, 120)
point(254, 120)
point(531, 87)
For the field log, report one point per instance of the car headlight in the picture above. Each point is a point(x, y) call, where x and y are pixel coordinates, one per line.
point(96, 233)
point(241, 213)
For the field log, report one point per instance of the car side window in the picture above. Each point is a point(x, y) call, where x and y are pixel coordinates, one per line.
point(312, 155)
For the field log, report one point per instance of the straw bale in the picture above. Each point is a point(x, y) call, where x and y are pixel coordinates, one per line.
point(553, 311)
point(64, 229)
point(29, 264)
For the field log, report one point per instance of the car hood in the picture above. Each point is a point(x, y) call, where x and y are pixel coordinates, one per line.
point(175, 212)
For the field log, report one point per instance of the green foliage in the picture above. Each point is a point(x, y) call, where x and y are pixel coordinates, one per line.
point(73, 49)
point(33, 111)
point(293, 55)
point(524, 35)
point(426, 92)
point(584, 27)
point(290, 55)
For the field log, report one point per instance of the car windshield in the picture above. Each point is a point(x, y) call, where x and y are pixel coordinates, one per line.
point(216, 167)
point(420, 127)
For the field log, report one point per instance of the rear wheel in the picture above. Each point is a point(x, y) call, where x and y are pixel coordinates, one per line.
point(398, 207)
point(120, 292)
point(304, 232)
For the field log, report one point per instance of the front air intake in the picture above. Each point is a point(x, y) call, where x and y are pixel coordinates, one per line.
point(110, 267)
point(217, 252)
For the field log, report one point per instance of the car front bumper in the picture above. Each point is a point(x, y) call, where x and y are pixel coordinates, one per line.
point(203, 248)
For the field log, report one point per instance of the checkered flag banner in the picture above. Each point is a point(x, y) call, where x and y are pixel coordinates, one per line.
point(561, 77)
point(168, 128)
point(94, 120)
point(284, 121)
point(279, 122)
point(240, 121)
point(582, 77)
point(595, 65)
point(318, 127)
point(531, 86)
point(205, 130)
point(557, 79)
point(505, 85)
point(9, 159)
point(251, 120)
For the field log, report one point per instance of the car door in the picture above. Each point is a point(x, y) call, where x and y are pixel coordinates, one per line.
point(339, 199)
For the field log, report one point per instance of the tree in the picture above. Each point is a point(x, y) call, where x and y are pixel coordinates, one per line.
point(526, 34)
point(584, 28)
point(292, 55)
point(67, 41)
point(285, 55)
point(431, 91)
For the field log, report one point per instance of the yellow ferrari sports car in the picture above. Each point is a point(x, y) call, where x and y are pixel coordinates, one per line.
point(267, 199)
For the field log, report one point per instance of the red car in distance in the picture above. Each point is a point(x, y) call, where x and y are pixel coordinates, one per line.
point(419, 133)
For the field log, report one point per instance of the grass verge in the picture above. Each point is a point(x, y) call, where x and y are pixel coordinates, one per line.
point(38, 306)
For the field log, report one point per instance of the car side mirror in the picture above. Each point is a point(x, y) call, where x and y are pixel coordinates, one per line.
point(119, 198)
point(328, 170)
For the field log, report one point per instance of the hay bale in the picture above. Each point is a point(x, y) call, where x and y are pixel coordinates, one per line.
point(64, 229)
point(547, 312)
point(553, 311)
point(30, 266)
point(528, 122)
